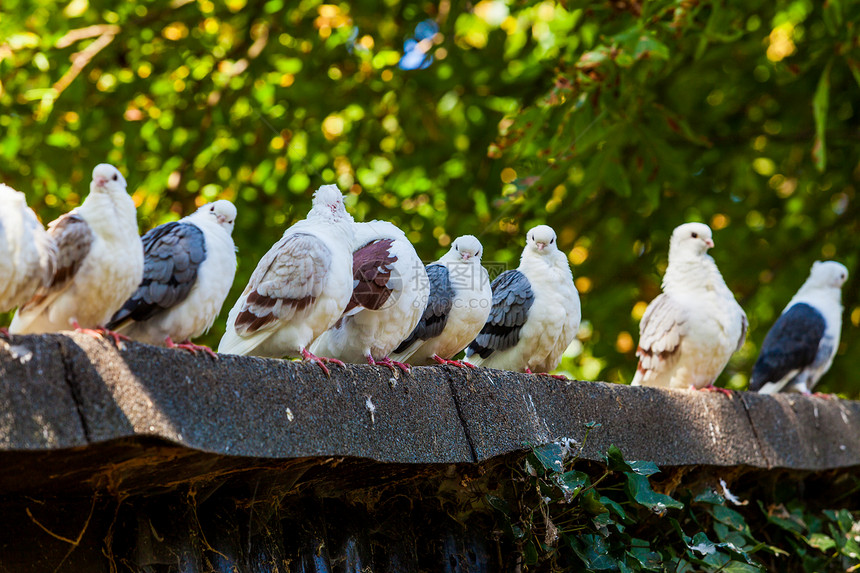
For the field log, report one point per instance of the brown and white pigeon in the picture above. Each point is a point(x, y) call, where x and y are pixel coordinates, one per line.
point(536, 311)
point(390, 290)
point(689, 332)
point(188, 269)
point(28, 256)
point(99, 261)
point(459, 303)
point(299, 289)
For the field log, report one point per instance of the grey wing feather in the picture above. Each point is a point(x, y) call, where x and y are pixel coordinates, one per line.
point(660, 332)
point(512, 299)
point(172, 254)
point(439, 304)
point(73, 238)
point(288, 279)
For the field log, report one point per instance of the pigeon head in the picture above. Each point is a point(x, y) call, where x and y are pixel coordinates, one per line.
point(541, 240)
point(107, 179)
point(466, 248)
point(691, 239)
point(828, 274)
point(328, 204)
point(223, 212)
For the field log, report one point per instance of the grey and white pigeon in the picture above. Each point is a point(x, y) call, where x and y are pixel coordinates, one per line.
point(536, 311)
point(28, 256)
point(689, 332)
point(188, 269)
point(799, 348)
point(299, 289)
point(99, 261)
point(459, 303)
point(390, 291)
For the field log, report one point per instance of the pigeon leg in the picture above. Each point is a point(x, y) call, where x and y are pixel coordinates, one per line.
point(712, 388)
point(823, 395)
point(321, 360)
point(457, 363)
point(4, 332)
point(556, 376)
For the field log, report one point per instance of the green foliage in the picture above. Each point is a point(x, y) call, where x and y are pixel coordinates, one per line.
point(612, 519)
point(611, 121)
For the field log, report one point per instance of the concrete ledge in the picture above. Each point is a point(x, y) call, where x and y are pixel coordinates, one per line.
point(69, 391)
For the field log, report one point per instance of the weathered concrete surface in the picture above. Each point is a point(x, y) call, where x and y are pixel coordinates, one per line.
point(67, 391)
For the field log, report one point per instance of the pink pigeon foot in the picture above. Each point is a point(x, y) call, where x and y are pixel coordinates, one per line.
point(190, 347)
point(712, 388)
point(102, 332)
point(457, 363)
point(4, 332)
point(392, 363)
point(556, 376)
point(823, 395)
point(321, 360)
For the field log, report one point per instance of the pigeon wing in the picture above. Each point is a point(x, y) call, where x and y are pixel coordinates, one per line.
point(512, 299)
point(439, 304)
point(173, 253)
point(660, 333)
point(371, 270)
point(288, 279)
point(73, 238)
point(790, 345)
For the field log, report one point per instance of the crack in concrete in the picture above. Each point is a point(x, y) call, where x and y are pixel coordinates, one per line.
point(70, 380)
point(758, 442)
point(463, 423)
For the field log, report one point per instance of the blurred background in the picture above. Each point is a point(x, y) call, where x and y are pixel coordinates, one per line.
point(612, 121)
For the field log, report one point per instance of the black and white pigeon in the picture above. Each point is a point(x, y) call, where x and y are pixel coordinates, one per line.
point(458, 306)
point(299, 289)
point(188, 269)
point(99, 261)
point(799, 348)
point(689, 332)
point(389, 293)
point(28, 256)
point(536, 311)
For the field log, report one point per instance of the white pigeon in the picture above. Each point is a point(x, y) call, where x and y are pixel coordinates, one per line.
point(799, 348)
point(459, 304)
point(188, 269)
point(299, 288)
point(28, 256)
point(390, 291)
point(536, 311)
point(689, 332)
point(99, 261)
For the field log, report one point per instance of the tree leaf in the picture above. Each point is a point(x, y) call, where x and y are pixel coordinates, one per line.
point(820, 107)
point(639, 488)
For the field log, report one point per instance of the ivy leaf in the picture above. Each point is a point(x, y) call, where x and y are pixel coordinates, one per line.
point(499, 504)
point(821, 542)
point(646, 558)
point(615, 460)
point(593, 550)
point(729, 516)
point(644, 468)
point(591, 503)
point(639, 489)
point(710, 496)
point(551, 457)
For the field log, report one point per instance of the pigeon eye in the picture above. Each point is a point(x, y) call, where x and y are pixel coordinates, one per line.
point(695, 235)
point(551, 241)
point(115, 177)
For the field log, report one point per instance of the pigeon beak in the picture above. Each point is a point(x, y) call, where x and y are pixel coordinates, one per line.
point(100, 181)
point(540, 246)
point(465, 256)
point(221, 219)
point(710, 243)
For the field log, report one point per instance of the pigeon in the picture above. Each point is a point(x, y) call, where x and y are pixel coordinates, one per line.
point(28, 256)
point(99, 262)
point(689, 332)
point(188, 270)
point(799, 348)
point(390, 291)
point(536, 311)
point(458, 307)
point(299, 289)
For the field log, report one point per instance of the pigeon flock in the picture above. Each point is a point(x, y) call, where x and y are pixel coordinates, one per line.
point(332, 291)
